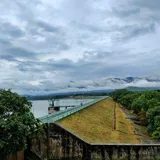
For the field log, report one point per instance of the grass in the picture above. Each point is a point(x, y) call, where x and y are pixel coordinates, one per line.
point(95, 124)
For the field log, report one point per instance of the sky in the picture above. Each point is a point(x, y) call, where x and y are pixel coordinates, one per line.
point(45, 44)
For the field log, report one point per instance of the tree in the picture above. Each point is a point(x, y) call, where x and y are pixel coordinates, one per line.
point(118, 94)
point(152, 95)
point(128, 99)
point(156, 133)
point(152, 103)
point(17, 123)
point(146, 104)
point(139, 104)
point(153, 115)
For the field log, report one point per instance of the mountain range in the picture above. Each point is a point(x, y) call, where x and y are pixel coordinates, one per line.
point(101, 84)
point(114, 83)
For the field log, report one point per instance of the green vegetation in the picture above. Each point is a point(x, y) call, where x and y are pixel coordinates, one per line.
point(17, 123)
point(103, 122)
point(145, 104)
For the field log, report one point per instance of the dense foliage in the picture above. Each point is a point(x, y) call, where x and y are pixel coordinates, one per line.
point(146, 104)
point(17, 123)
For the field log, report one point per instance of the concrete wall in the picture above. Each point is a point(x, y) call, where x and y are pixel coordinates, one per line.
point(60, 144)
point(17, 156)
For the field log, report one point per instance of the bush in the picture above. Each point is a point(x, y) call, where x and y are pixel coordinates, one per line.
point(17, 123)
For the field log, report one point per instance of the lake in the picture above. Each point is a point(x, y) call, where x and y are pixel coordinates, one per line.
point(40, 107)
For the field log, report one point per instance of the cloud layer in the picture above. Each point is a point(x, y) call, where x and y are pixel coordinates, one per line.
point(45, 44)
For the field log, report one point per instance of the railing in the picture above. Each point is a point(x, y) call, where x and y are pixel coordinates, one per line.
point(64, 113)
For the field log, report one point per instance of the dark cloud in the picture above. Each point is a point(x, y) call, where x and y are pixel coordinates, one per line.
point(154, 4)
point(132, 31)
point(47, 27)
point(10, 30)
point(21, 53)
point(125, 12)
point(8, 58)
point(4, 42)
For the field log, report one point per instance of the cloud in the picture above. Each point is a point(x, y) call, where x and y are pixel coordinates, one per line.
point(20, 52)
point(8, 29)
point(46, 44)
point(47, 27)
point(154, 4)
point(126, 12)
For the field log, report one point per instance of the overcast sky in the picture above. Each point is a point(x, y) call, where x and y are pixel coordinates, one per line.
point(49, 42)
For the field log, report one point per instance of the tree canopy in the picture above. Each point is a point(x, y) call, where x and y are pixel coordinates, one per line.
point(17, 123)
point(146, 104)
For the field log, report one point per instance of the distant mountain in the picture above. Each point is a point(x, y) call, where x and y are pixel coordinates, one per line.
point(142, 88)
point(100, 84)
point(68, 94)
point(114, 82)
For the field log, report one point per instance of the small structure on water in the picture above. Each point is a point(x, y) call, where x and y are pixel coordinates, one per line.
point(55, 108)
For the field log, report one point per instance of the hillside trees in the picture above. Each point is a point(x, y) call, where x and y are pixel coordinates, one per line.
point(128, 99)
point(140, 103)
point(146, 104)
point(17, 123)
point(153, 115)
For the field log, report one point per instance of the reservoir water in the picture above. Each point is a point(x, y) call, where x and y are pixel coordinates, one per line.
point(40, 107)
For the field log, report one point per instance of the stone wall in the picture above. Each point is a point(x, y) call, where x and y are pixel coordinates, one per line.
point(16, 156)
point(61, 144)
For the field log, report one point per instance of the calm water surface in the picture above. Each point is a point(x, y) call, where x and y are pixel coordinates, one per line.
point(40, 107)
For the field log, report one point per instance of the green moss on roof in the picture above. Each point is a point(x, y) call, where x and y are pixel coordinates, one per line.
point(95, 124)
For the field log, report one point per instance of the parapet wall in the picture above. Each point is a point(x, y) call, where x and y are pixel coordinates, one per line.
point(61, 144)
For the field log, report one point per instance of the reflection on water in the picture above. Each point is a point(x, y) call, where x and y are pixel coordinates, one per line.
point(40, 107)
